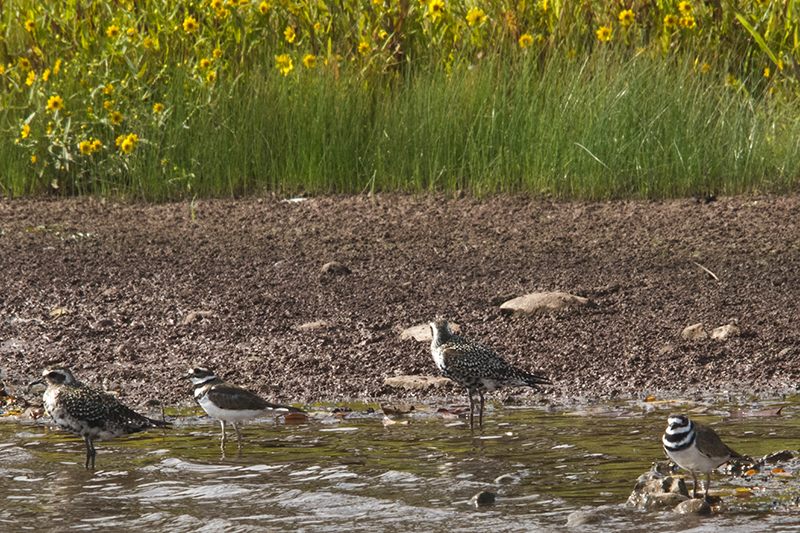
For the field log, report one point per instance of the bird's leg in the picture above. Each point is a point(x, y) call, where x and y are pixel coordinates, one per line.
point(694, 477)
point(238, 436)
point(223, 435)
point(708, 483)
point(480, 416)
point(471, 409)
point(90, 451)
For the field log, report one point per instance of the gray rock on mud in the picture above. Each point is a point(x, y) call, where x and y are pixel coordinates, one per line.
point(415, 382)
point(335, 268)
point(724, 332)
point(543, 302)
point(696, 506)
point(694, 332)
point(422, 332)
point(655, 491)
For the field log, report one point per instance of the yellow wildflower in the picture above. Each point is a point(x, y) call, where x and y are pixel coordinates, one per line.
point(705, 68)
point(31, 78)
point(158, 108)
point(148, 43)
point(436, 9)
point(2, 69)
point(217, 53)
point(732, 81)
point(127, 146)
point(363, 48)
point(382, 35)
point(46, 74)
point(30, 25)
point(113, 32)
point(85, 147)
point(264, 7)
point(766, 72)
point(216, 5)
point(108, 89)
point(604, 33)
point(54, 103)
point(26, 130)
point(33, 159)
point(475, 16)
point(205, 63)
point(290, 34)
point(212, 77)
point(96, 146)
point(626, 17)
point(115, 117)
point(189, 26)
point(222, 14)
point(284, 64)
point(57, 67)
point(670, 22)
point(685, 7)
point(24, 64)
point(310, 61)
point(687, 22)
point(525, 40)
point(108, 105)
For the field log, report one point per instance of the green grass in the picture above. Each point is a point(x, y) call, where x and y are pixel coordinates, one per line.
point(595, 128)
point(650, 114)
point(598, 127)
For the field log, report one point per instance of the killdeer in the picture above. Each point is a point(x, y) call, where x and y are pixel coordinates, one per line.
point(475, 367)
point(695, 447)
point(89, 412)
point(229, 403)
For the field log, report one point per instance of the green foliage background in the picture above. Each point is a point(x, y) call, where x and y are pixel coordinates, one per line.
point(588, 100)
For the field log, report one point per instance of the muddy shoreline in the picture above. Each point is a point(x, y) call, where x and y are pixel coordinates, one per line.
point(132, 295)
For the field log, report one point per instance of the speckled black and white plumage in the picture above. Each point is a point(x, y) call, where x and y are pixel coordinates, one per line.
point(475, 366)
point(88, 412)
point(230, 403)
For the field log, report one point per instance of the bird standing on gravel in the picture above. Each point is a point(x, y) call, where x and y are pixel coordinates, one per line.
point(89, 412)
point(229, 403)
point(695, 447)
point(476, 367)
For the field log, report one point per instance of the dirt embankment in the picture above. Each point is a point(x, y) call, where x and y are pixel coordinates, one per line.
point(110, 289)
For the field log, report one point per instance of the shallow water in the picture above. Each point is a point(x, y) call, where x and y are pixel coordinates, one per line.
point(359, 475)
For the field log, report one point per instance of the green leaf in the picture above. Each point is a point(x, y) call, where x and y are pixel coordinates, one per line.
point(760, 40)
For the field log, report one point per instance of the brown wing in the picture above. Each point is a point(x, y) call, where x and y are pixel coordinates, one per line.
point(229, 396)
point(709, 443)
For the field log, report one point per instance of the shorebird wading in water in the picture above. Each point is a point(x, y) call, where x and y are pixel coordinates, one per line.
point(476, 367)
point(229, 403)
point(89, 412)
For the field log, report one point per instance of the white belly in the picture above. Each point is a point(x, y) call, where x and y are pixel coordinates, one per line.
point(230, 415)
point(693, 460)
